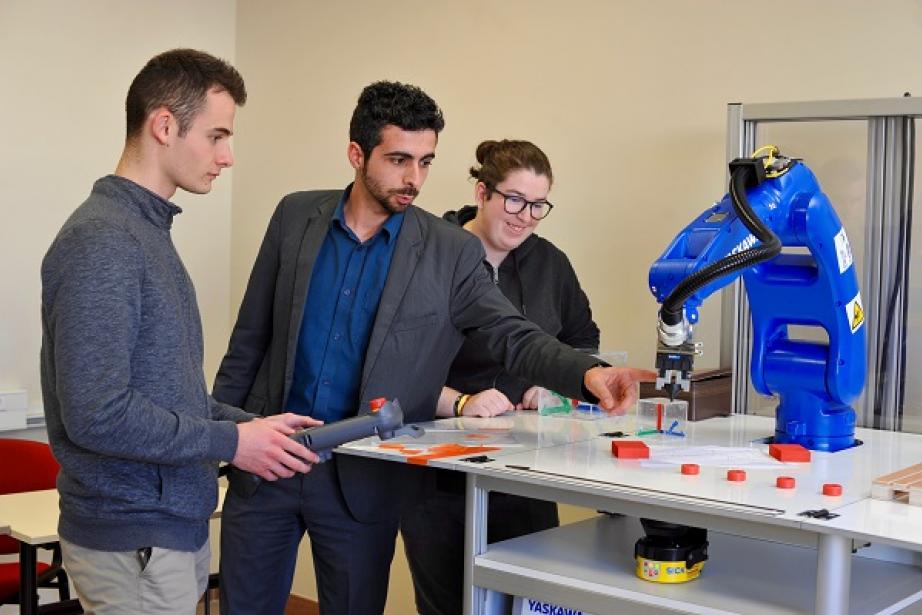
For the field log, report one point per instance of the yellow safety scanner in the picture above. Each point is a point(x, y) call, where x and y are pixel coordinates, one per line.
point(670, 553)
point(667, 572)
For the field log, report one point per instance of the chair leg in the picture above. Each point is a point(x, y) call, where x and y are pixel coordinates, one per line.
point(71, 607)
point(213, 580)
point(63, 586)
point(28, 589)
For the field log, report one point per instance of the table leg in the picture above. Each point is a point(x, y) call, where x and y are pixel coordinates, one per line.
point(833, 574)
point(28, 590)
point(475, 543)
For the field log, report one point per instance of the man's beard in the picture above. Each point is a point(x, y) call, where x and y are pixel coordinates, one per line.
point(382, 196)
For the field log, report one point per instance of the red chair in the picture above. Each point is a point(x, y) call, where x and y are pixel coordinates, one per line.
point(26, 465)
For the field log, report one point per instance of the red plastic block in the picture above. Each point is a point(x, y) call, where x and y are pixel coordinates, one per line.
point(785, 482)
point(737, 476)
point(832, 489)
point(629, 449)
point(788, 452)
point(690, 468)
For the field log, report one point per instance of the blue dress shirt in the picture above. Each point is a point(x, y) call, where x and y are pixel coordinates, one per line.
point(342, 302)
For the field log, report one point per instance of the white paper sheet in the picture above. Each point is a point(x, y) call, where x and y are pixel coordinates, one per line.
point(742, 457)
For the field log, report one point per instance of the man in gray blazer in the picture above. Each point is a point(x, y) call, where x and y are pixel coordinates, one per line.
point(357, 294)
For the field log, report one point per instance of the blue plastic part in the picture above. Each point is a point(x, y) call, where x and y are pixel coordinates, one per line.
point(815, 381)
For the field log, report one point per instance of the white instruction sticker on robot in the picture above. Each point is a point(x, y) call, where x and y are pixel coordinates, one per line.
point(855, 312)
point(843, 251)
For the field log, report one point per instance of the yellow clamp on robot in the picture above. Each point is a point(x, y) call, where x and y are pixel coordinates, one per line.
point(775, 165)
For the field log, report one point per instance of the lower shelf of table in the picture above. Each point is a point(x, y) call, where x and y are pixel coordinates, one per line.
point(590, 566)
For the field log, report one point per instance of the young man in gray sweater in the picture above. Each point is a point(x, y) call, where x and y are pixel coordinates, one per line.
point(129, 416)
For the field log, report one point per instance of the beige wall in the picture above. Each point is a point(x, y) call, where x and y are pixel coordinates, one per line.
point(65, 69)
point(627, 98)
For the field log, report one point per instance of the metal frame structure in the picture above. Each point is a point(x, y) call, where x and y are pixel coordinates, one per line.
point(885, 280)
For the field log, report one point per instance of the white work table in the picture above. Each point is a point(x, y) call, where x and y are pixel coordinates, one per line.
point(764, 556)
point(32, 519)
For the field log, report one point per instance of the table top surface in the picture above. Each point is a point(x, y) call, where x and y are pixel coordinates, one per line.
point(576, 454)
point(32, 516)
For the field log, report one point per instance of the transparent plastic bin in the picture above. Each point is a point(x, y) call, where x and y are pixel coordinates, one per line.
point(660, 416)
point(551, 403)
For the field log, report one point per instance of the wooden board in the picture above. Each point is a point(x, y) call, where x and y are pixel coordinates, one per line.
point(903, 486)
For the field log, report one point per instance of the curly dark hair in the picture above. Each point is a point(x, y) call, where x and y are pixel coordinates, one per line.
point(392, 103)
point(179, 80)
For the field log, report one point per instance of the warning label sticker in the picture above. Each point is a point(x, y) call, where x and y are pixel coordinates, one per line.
point(843, 250)
point(855, 312)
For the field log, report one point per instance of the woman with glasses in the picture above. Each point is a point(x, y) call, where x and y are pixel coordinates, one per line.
point(510, 196)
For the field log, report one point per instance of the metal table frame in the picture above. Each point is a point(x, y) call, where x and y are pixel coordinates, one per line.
point(834, 546)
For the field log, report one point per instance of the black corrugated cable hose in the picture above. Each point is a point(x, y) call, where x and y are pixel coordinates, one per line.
point(770, 247)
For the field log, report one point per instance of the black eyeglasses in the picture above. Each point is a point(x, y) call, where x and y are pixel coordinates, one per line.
point(513, 204)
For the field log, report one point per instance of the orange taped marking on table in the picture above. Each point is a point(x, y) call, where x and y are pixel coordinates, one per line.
point(446, 447)
point(453, 450)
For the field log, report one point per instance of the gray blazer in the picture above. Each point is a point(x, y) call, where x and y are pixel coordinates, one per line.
point(437, 291)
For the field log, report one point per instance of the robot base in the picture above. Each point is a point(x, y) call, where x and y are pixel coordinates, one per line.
point(815, 423)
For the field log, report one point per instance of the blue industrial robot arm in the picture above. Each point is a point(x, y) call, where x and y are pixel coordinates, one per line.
point(773, 201)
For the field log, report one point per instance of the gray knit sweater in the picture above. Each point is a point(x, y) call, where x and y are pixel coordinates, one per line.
point(129, 416)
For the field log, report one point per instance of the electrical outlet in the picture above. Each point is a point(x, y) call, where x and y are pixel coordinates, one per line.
point(16, 400)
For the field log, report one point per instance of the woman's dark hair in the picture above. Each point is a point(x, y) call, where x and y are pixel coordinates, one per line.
point(179, 80)
point(499, 158)
point(391, 103)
